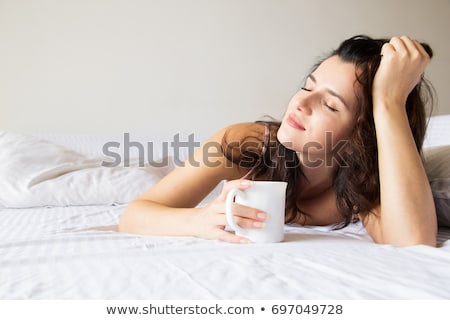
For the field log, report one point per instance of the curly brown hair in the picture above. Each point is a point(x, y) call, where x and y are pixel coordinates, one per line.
point(357, 182)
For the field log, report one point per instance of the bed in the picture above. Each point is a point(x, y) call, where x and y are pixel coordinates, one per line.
point(59, 207)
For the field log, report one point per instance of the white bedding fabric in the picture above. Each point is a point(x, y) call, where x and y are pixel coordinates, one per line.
point(36, 172)
point(69, 253)
point(438, 131)
point(52, 247)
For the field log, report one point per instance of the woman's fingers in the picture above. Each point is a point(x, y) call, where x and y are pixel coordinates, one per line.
point(401, 67)
point(217, 231)
point(406, 47)
point(410, 46)
point(399, 46)
point(230, 237)
point(415, 50)
point(249, 212)
point(420, 48)
point(245, 217)
point(241, 184)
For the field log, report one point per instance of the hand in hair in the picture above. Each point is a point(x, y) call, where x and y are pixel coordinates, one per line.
point(403, 61)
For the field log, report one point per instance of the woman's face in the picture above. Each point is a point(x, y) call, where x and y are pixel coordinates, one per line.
point(320, 117)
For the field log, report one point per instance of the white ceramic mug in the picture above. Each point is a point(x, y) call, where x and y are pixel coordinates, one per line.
point(267, 196)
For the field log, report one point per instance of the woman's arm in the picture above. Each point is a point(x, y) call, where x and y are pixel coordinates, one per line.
point(168, 207)
point(406, 214)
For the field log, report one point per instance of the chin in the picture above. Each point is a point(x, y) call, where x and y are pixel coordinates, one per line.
point(286, 138)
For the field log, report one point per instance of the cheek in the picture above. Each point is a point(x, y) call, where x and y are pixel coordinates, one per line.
point(341, 136)
point(336, 133)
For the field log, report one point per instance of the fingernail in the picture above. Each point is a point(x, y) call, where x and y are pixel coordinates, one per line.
point(245, 183)
point(257, 224)
point(261, 215)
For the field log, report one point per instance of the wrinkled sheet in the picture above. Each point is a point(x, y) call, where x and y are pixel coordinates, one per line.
point(74, 253)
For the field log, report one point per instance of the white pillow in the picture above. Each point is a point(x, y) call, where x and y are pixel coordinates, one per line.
point(438, 131)
point(36, 172)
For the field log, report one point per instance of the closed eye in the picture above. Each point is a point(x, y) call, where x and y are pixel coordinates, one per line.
point(331, 108)
point(313, 80)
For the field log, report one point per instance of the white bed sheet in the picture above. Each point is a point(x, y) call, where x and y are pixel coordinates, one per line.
point(74, 253)
point(71, 253)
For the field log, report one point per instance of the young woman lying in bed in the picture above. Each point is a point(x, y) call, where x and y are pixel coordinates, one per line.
point(349, 147)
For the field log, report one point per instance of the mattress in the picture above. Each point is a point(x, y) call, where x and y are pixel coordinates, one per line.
point(57, 247)
point(75, 253)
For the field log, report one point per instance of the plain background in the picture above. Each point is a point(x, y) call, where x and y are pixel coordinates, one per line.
point(184, 66)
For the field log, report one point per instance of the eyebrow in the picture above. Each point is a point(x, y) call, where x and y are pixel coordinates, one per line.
point(332, 92)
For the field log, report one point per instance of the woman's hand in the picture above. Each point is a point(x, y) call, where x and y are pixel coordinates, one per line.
point(211, 221)
point(402, 64)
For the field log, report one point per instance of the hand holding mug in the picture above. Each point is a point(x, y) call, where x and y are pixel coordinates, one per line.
point(267, 196)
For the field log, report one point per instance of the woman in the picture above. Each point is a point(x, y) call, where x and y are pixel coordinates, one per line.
point(349, 146)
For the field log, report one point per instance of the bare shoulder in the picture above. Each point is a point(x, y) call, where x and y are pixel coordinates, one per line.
point(188, 184)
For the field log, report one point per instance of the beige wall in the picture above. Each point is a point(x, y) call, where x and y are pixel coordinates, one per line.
point(167, 66)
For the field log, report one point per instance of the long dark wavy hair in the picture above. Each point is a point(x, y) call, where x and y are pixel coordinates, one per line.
point(356, 184)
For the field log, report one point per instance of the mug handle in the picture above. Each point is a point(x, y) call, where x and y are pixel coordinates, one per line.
point(229, 211)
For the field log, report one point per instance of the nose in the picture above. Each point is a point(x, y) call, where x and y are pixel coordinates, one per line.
point(304, 106)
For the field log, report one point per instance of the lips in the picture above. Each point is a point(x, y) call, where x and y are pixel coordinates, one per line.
point(293, 122)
